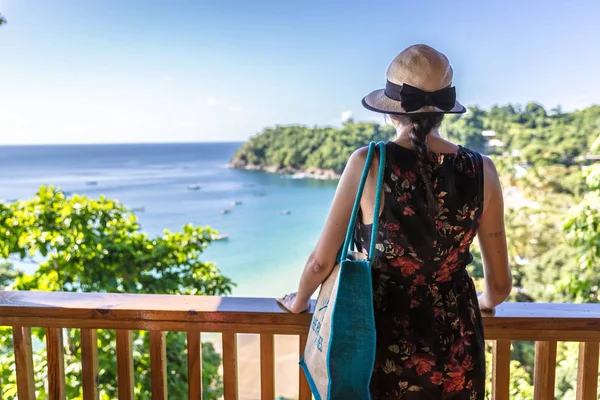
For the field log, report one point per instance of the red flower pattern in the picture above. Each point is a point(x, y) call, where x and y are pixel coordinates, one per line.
point(408, 265)
point(411, 176)
point(436, 378)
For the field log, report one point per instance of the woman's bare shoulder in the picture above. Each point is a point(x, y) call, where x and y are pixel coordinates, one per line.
point(357, 160)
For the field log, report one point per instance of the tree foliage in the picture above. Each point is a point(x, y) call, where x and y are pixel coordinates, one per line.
point(583, 228)
point(294, 148)
point(533, 135)
point(84, 245)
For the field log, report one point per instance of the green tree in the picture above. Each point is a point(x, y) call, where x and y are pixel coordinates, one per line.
point(466, 130)
point(296, 148)
point(583, 228)
point(86, 245)
point(530, 135)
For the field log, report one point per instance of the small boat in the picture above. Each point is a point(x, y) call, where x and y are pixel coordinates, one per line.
point(285, 212)
point(220, 237)
point(225, 211)
point(237, 203)
point(138, 209)
point(194, 186)
point(259, 194)
point(91, 183)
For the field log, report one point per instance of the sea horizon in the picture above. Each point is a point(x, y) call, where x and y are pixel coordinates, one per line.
point(119, 143)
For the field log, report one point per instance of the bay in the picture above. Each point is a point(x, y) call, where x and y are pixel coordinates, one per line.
point(266, 249)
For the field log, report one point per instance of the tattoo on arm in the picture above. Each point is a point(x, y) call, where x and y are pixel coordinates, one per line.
point(498, 234)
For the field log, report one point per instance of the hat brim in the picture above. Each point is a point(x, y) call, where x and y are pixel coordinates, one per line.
point(377, 101)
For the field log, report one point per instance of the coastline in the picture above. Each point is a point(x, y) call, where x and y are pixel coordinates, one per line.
point(288, 173)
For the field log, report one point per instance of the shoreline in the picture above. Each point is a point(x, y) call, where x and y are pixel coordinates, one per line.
point(289, 173)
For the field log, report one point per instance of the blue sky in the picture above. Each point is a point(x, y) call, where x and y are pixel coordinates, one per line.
point(89, 71)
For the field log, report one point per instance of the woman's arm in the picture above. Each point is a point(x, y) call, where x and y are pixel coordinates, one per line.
point(322, 259)
point(492, 240)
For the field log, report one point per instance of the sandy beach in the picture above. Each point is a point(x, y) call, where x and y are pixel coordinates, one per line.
point(286, 366)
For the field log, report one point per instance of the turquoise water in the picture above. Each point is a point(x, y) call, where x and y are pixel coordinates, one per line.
point(265, 252)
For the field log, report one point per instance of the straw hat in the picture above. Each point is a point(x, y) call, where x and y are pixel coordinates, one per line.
point(419, 80)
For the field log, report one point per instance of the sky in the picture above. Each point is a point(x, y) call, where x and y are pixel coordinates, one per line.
point(128, 71)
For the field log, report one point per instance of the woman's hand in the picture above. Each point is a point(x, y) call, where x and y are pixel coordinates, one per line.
point(292, 304)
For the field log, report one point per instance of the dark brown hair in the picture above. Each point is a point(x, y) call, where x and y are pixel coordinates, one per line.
point(422, 124)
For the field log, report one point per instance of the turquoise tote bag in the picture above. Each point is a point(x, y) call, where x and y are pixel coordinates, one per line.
point(340, 351)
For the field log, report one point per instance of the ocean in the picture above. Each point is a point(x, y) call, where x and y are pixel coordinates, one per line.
point(266, 249)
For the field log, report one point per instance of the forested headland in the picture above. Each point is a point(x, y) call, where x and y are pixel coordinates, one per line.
point(531, 134)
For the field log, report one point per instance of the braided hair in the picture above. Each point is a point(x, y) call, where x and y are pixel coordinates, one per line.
point(422, 124)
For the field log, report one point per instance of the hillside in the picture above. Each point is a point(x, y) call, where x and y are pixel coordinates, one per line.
point(531, 135)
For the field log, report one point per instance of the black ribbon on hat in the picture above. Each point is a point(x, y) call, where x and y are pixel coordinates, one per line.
point(413, 98)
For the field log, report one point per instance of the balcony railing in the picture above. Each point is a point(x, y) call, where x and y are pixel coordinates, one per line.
point(543, 323)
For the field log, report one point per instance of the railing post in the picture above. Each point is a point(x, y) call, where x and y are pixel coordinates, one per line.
point(158, 365)
point(587, 371)
point(89, 363)
point(267, 367)
point(194, 356)
point(544, 370)
point(501, 370)
point(56, 364)
point(124, 365)
point(305, 393)
point(24, 362)
point(230, 365)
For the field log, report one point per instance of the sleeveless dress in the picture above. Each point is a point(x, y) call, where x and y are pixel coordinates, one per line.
point(429, 330)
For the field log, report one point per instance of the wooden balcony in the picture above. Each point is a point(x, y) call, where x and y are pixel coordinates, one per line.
point(543, 323)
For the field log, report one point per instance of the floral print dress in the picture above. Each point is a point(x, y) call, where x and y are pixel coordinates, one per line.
point(429, 330)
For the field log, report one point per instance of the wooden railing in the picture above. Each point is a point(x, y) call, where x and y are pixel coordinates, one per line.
point(543, 323)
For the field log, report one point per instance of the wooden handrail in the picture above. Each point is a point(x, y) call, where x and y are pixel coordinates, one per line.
point(515, 321)
point(148, 312)
point(544, 323)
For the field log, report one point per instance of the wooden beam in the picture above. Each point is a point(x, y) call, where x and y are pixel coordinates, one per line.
point(512, 321)
point(305, 393)
point(230, 366)
point(158, 365)
point(544, 370)
point(24, 362)
point(267, 366)
point(501, 370)
point(124, 365)
point(587, 371)
point(89, 363)
point(194, 357)
point(56, 364)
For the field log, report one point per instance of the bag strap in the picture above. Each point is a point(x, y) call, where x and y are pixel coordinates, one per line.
point(356, 208)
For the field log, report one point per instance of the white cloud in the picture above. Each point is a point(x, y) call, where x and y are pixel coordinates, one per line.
point(236, 108)
point(211, 101)
point(345, 116)
point(166, 78)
